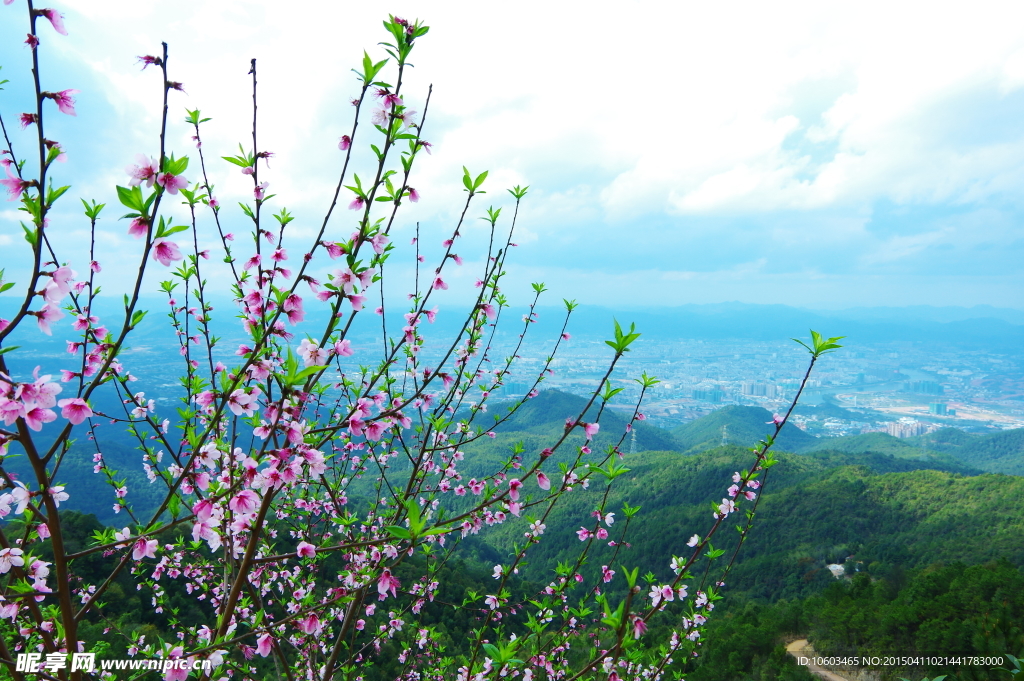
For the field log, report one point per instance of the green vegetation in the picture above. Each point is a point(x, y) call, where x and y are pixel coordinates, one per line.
point(934, 548)
point(996, 453)
point(745, 426)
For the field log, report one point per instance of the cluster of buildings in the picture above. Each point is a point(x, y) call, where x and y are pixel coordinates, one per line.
point(904, 389)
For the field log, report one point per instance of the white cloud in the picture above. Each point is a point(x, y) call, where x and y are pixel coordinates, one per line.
point(626, 119)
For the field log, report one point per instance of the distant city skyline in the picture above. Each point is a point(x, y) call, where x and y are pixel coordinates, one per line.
point(818, 156)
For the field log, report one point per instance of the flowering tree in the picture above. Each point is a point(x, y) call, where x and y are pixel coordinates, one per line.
point(309, 505)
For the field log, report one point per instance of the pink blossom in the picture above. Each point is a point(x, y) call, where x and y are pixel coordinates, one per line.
point(312, 354)
point(56, 20)
point(357, 203)
point(607, 574)
point(203, 510)
point(177, 673)
point(293, 308)
point(62, 277)
point(150, 60)
point(543, 481)
point(414, 195)
point(165, 252)
point(333, 249)
point(639, 627)
point(379, 242)
point(591, 429)
point(138, 227)
point(375, 430)
point(31, 40)
point(260, 191)
point(172, 183)
point(28, 119)
point(245, 501)
point(145, 549)
point(310, 624)
point(439, 283)
point(514, 485)
point(75, 410)
point(264, 644)
point(15, 185)
point(243, 402)
point(343, 348)
point(10, 558)
point(305, 550)
point(344, 142)
point(357, 302)
point(65, 102)
point(146, 171)
point(49, 314)
point(387, 583)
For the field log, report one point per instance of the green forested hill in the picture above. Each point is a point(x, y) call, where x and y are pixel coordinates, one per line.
point(745, 427)
point(546, 413)
point(883, 443)
point(813, 514)
point(997, 453)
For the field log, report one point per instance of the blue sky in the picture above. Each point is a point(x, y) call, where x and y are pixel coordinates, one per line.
point(678, 152)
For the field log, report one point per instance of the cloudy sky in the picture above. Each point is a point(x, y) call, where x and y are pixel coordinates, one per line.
point(815, 154)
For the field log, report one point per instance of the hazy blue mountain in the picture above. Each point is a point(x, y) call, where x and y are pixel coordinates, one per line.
point(971, 327)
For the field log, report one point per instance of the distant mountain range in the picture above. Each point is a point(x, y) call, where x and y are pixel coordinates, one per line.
point(948, 449)
point(979, 327)
point(996, 329)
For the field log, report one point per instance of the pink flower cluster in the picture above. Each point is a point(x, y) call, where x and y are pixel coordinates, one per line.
point(34, 403)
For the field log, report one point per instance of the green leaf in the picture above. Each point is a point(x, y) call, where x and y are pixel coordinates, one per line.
point(131, 198)
point(820, 346)
point(30, 234)
point(54, 194)
point(518, 192)
point(623, 340)
point(92, 211)
point(398, 531)
point(174, 230)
